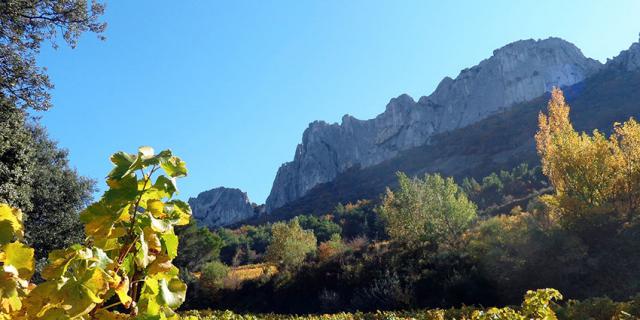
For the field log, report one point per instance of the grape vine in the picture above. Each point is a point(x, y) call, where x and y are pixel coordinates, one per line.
point(125, 268)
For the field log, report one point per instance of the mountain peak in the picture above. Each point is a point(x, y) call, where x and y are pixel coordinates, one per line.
point(528, 44)
point(517, 72)
point(221, 207)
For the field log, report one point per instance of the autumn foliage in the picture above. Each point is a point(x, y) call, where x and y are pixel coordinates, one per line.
point(591, 174)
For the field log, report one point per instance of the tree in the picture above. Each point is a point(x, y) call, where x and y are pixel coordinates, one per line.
point(594, 177)
point(24, 25)
point(331, 248)
point(35, 175)
point(323, 228)
point(359, 220)
point(213, 275)
point(58, 195)
point(198, 246)
point(16, 154)
point(433, 209)
point(290, 244)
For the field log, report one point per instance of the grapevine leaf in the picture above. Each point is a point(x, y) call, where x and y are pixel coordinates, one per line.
point(99, 220)
point(78, 297)
point(154, 244)
point(156, 207)
point(121, 289)
point(145, 157)
point(162, 263)
point(45, 302)
point(165, 187)
point(96, 281)
point(20, 257)
point(172, 292)
point(174, 167)
point(146, 152)
point(126, 191)
point(142, 253)
point(122, 161)
point(103, 314)
point(10, 224)
point(159, 225)
point(9, 290)
point(101, 258)
point(179, 211)
point(128, 264)
point(170, 243)
point(148, 303)
point(59, 261)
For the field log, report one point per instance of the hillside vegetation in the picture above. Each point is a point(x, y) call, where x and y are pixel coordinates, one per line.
point(430, 243)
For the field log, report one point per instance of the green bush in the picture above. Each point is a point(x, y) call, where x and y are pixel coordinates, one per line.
point(213, 275)
point(433, 209)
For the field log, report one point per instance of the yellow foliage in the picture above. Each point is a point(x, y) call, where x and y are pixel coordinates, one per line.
point(591, 174)
point(127, 261)
point(252, 271)
point(16, 261)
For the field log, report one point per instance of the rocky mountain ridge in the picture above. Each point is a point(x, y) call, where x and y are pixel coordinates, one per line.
point(517, 72)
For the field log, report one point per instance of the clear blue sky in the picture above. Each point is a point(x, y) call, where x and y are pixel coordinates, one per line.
point(230, 86)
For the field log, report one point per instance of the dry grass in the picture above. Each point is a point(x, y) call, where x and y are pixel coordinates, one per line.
point(240, 274)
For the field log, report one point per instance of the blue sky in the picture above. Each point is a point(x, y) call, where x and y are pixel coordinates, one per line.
point(230, 86)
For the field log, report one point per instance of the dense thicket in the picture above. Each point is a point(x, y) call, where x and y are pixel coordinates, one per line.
point(502, 191)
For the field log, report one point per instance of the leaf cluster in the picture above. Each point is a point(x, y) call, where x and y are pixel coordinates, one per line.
point(125, 269)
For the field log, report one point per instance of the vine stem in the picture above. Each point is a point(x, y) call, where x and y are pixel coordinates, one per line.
point(133, 289)
point(112, 305)
point(133, 218)
point(132, 240)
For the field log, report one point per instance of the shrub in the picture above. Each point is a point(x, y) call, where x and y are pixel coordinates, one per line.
point(213, 275)
point(433, 209)
point(290, 244)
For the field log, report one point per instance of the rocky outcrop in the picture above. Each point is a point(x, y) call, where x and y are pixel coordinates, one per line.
point(627, 60)
point(515, 73)
point(222, 207)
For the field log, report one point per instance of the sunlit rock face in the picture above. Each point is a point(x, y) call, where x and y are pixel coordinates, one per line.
point(627, 60)
point(221, 207)
point(517, 72)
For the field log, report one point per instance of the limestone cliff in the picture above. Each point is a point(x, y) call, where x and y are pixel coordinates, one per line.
point(627, 60)
point(514, 73)
point(222, 207)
